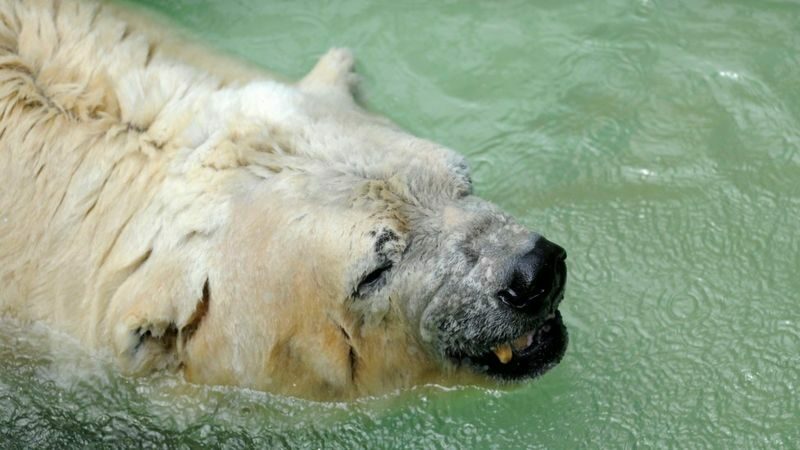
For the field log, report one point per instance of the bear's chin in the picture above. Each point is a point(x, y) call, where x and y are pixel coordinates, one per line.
point(545, 347)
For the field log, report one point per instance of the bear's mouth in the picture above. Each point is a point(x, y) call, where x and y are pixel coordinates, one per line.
point(527, 356)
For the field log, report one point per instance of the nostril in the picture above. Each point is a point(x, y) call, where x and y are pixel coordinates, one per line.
point(537, 293)
point(536, 278)
point(511, 298)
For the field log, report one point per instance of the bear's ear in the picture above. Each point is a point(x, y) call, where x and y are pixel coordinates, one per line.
point(155, 311)
point(332, 75)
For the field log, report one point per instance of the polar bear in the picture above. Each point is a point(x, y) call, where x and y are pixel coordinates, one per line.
point(246, 231)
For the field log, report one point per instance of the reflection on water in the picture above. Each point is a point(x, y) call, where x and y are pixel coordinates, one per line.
point(658, 141)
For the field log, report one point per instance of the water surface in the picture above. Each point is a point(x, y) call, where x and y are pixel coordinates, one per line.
point(658, 141)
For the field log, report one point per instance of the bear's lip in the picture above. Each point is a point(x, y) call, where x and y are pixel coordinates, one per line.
point(531, 354)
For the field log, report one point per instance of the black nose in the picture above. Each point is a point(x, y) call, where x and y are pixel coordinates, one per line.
point(537, 279)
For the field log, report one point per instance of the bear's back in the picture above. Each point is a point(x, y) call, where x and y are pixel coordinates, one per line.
point(90, 114)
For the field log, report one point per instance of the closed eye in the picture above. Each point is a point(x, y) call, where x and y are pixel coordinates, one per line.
point(372, 279)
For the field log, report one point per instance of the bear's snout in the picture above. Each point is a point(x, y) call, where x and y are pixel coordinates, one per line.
point(536, 283)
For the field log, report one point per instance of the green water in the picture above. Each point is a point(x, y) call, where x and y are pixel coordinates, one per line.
point(658, 141)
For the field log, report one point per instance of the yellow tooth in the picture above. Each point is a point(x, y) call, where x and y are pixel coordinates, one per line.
point(503, 352)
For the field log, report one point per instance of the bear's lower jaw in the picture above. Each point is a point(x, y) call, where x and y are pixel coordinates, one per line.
point(528, 356)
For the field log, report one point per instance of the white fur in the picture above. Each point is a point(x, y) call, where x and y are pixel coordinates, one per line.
point(145, 195)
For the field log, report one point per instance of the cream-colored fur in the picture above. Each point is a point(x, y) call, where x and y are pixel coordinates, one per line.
point(172, 215)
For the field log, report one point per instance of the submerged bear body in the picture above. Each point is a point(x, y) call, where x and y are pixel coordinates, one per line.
point(246, 231)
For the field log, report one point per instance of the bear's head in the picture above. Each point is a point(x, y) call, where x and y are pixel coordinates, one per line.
point(353, 258)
